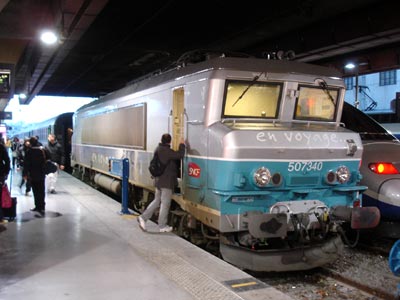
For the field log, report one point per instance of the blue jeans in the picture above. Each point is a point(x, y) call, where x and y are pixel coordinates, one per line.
point(162, 199)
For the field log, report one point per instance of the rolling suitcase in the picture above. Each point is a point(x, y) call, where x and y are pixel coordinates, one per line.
point(10, 213)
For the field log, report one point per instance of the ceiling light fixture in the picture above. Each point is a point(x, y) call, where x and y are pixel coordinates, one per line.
point(48, 37)
point(350, 66)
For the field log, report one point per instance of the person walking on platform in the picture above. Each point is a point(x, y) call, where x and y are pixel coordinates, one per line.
point(4, 171)
point(23, 149)
point(34, 164)
point(164, 184)
point(56, 155)
point(14, 152)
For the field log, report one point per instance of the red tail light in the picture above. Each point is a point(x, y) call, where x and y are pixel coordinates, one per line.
point(383, 168)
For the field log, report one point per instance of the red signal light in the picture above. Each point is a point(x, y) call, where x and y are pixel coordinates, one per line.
point(383, 168)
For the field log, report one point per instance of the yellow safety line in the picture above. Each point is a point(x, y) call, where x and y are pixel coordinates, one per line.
point(243, 284)
point(129, 216)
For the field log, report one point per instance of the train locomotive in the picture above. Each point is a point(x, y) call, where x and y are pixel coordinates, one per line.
point(269, 172)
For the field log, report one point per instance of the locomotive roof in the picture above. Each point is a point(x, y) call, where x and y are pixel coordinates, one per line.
point(221, 63)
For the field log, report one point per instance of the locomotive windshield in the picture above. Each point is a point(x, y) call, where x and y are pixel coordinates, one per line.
point(316, 104)
point(257, 100)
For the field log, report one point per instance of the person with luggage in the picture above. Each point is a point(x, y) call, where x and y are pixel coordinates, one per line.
point(57, 156)
point(4, 171)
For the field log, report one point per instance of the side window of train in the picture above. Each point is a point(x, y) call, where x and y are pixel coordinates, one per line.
point(246, 99)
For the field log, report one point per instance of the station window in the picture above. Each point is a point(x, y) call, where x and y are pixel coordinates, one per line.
point(387, 77)
point(349, 81)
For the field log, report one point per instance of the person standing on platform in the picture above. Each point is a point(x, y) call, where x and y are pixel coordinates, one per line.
point(56, 155)
point(4, 171)
point(23, 149)
point(14, 152)
point(34, 165)
point(165, 183)
point(38, 141)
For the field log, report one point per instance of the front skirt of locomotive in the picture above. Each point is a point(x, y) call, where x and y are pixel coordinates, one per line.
point(305, 258)
point(292, 236)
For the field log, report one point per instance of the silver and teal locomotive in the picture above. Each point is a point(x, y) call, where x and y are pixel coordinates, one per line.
point(270, 173)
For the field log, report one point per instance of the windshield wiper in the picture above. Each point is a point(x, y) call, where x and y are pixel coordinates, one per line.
point(322, 83)
point(248, 87)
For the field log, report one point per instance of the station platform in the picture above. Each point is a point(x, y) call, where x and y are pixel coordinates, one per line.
point(83, 248)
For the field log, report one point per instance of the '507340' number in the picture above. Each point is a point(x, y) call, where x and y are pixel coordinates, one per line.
point(298, 166)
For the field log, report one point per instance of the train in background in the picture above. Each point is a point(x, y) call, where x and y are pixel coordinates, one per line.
point(61, 126)
point(392, 128)
point(269, 173)
point(380, 167)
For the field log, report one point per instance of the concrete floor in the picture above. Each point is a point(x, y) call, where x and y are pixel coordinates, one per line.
point(84, 249)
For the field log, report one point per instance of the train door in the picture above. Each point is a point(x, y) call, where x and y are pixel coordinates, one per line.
point(178, 122)
point(178, 110)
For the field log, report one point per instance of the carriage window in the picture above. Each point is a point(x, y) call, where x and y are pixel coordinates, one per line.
point(245, 99)
point(316, 104)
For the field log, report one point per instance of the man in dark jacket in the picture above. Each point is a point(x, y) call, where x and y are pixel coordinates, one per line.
point(4, 170)
point(23, 149)
point(164, 184)
point(56, 155)
point(34, 165)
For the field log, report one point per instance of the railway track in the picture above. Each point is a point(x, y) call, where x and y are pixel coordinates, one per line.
point(386, 292)
point(358, 275)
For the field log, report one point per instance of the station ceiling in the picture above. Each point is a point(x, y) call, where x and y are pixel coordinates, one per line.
point(107, 44)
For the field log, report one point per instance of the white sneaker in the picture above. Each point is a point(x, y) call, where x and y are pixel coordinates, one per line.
point(142, 223)
point(166, 229)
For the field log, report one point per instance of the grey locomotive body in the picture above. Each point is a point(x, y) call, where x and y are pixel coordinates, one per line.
point(269, 172)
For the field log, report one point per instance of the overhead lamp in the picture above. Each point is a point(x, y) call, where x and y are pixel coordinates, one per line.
point(48, 37)
point(22, 96)
point(350, 66)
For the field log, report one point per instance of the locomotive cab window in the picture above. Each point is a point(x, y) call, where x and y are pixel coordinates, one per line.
point(246, 99)
point(316, 104)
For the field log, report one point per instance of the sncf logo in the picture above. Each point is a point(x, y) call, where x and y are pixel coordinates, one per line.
point(194, 170)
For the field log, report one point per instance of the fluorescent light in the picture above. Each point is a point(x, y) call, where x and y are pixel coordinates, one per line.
point(350, 66)
point(48, 37)
point(22, 96)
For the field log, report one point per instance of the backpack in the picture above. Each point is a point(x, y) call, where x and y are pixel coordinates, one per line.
point(156, 167)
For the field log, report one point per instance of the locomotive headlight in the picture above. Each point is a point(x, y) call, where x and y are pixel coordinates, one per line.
point(343, 174)
point(262, 177)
